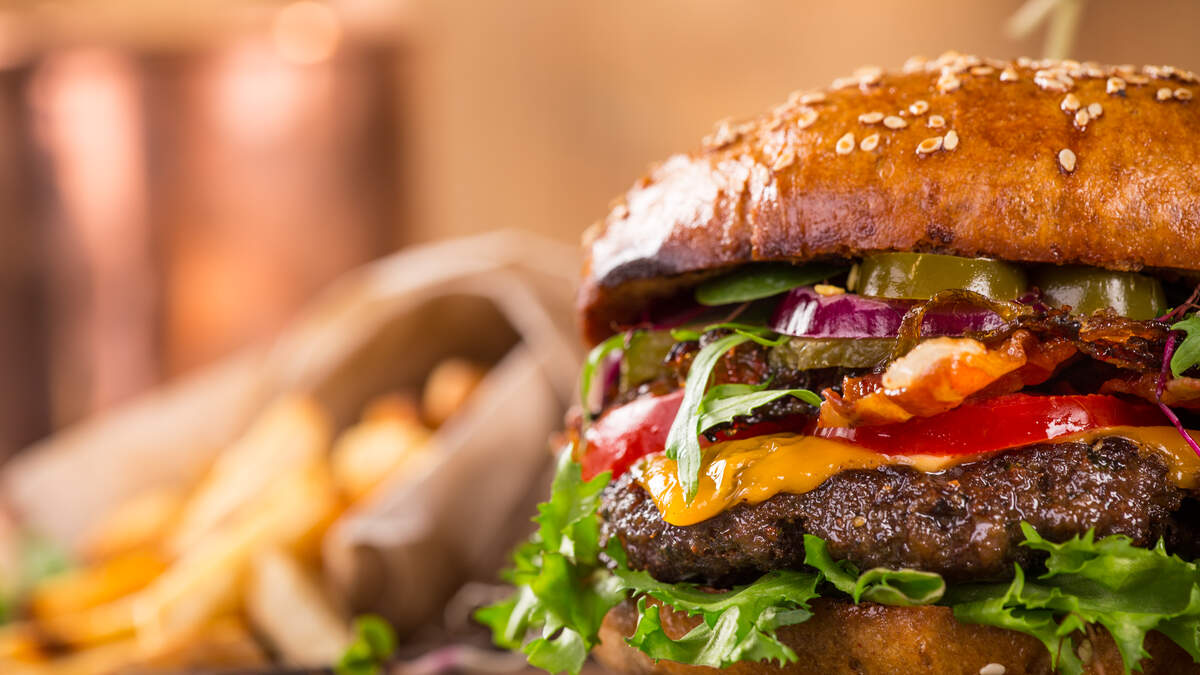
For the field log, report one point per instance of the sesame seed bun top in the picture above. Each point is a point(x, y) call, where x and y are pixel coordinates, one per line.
point(1031, 161)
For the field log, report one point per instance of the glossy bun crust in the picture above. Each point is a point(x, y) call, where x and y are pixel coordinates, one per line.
point(1056, 162)
point(869, 639)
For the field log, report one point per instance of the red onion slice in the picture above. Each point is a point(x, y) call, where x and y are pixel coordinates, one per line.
point(803, 313)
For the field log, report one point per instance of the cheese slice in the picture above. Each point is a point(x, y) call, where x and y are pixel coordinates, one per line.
point(755, 469)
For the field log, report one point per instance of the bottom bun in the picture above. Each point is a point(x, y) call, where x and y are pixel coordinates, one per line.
point(869, 639)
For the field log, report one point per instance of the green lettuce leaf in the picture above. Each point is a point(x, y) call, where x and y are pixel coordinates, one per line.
point(763, 280)
point(886, 586)
point(1126, 589)
point(737, 625)
point(563, 589)
point(1187, 353)
point(683, 442)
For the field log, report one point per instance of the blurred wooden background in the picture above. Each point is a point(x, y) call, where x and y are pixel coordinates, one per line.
point(178, 178)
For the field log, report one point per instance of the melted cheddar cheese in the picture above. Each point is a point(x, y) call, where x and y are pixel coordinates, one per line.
point(753, 470)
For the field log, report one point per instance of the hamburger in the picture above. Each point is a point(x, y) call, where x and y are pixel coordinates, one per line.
point(896, 377)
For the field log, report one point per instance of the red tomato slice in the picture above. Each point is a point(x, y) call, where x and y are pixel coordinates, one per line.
point(999, 423)
point(626, 434)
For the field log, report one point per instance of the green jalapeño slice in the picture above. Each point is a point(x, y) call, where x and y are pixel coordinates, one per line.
point(920, 276)
point(1087, 289)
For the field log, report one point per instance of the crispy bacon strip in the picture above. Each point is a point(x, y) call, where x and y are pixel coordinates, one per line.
point(1178, 392)
point(939, 374)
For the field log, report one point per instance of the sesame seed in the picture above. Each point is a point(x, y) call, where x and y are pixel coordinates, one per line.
point(993, 669)
point(843, 82)
point(871, 117)
point(812, 97)
point(894, 122)
point(805, 118)
point(1095, 110)
point(785, 158)
point(950, 142)
point(982, 70)
point(1164, 94)
point(1070, 102)
point(1182, 94)
point(1115, 85)
point(1024, 61)
point(1008, 75)
point(1066, 159)
point(929, 145)
point(869, 74)
point(915, 64)
point(869, 143)
point(919, 107)
point(845, 144)
point(1082, 118)
point(1139, 80)
point(936, 122)
point(948, 82)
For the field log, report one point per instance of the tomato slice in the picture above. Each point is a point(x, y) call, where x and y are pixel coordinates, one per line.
point(997, 424)
point(639, 428)
point(626, 434)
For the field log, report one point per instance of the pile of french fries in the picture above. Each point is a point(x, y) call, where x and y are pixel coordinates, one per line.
point(227, 573)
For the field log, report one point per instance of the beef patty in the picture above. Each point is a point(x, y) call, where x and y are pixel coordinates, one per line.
point(962, 523)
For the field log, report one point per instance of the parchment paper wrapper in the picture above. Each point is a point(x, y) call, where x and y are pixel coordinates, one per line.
point(504, 298)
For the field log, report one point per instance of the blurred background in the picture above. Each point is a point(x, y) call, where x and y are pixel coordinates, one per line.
point(177, 179)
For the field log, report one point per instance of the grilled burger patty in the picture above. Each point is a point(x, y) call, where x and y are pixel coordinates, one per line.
point(962, 523)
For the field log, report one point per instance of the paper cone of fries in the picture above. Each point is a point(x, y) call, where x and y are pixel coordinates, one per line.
point(385, 450)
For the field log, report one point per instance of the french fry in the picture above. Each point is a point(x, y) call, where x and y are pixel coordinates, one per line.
point(86, 587)
point(293, 431)
point(285, 605)
point(92, 626)
point(225, 643)
point(206, 579)
point(141, 522)
point(448, 387)
point(366, 454)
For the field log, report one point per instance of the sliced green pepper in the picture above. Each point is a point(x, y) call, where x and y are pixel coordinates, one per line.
point(810, 353)
point(1087, 289)
point(919, 276)
point(643, 358)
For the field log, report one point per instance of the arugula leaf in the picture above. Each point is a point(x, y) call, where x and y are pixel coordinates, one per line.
point(763, 280)
point(563, 589)
point(1187, 353)
point(887, 587)
point(587, 376)
point(683, 443)
point(725, 402)
point(373, 645)
point(752, 331)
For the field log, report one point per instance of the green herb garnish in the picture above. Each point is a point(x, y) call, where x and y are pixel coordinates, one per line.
point(683, 442)
point(587, 375)
point(762, 280)
point(373, 645)
point(725, 402)
point(1187, 353)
